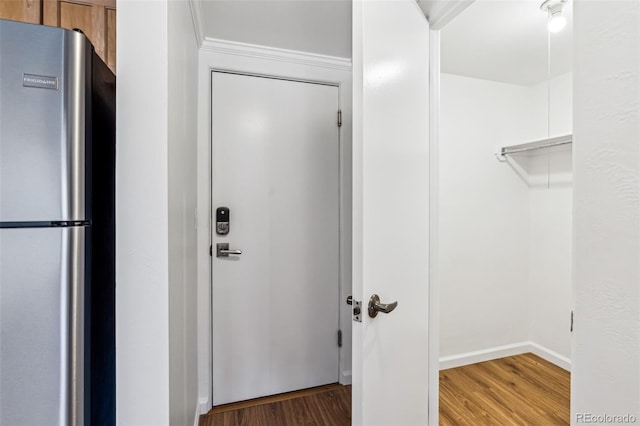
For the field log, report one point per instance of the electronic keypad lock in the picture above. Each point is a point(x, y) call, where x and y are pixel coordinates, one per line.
point(222, 220)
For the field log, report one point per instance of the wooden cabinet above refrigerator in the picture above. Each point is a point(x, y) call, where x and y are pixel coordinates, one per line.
point(96, 18)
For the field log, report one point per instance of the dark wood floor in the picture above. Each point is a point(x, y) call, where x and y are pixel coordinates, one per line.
point(323, 406)
point(516, 390)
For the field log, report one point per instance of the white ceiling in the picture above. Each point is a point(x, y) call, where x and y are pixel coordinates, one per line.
point(501, 40)
point(316, 26)
point(505, 40)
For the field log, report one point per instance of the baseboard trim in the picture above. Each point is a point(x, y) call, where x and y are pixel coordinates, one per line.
point(204, 405)
point(196, 418)
point(459, 360)
point(345, 378)
point(482, 355)
point(551, 356)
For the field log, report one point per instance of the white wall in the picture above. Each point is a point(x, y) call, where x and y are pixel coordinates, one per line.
point(550, 201)
point(265, 61)
point(550, 263)
point(505, 234)
point(182, 121)
point(316, 26)
point(606, 343)
point(142, 241)
point(484, 217)
point(561, 107)
point(155, 204)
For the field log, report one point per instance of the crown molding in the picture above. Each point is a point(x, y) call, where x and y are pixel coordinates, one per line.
point(275, 54)
point(440, 12)
point(196, 16)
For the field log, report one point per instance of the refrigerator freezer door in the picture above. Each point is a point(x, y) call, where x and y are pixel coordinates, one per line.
point(42, 123)
point(41, 329)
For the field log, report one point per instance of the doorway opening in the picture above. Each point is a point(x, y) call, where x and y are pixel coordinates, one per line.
point(505, 265)
point(276, 248)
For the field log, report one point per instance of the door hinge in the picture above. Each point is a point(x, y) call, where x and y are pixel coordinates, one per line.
point(339, 338)
point(571, 328)
point(339, 118)
point(211, 250)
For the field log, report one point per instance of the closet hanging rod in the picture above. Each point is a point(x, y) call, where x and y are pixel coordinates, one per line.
point(544, 143)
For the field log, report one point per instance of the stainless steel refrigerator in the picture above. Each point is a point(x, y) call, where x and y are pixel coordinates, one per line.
point(57, 224)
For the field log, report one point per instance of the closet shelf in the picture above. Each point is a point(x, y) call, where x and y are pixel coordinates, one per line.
point(501, 153)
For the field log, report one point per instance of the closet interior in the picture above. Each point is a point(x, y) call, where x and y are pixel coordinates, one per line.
point(505, 188)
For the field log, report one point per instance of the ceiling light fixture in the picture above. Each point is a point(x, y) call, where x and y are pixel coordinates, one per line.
point(557, 20)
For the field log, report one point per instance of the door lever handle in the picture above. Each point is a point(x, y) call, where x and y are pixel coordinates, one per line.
point(375, 306)
point(227, 252)
point(222, 250)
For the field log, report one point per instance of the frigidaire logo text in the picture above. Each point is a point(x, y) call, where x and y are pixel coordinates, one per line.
point(40, 81)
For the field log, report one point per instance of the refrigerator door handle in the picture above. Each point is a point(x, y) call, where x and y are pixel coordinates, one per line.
point(73, 172)
point(73, 270)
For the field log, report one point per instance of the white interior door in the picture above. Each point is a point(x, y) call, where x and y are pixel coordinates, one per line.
point(275, 165)
point(391, 211)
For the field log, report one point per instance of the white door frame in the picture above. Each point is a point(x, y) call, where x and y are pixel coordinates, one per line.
point(434, 185)
point(263, 61)
point(439, 13)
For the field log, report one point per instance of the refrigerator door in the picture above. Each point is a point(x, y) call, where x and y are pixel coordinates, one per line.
point(41, 327)
point(42, 123)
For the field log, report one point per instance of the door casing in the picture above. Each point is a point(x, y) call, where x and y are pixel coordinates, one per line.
point(279, 63)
